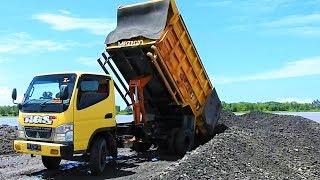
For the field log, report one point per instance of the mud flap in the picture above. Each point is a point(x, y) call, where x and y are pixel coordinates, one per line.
point(147, 20)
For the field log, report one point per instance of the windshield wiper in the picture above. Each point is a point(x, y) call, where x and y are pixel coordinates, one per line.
point(27, 102)
point(43, 104)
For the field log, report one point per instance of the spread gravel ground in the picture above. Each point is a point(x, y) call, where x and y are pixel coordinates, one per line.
point(252, 146)
point(7, 135)
point(255, 146)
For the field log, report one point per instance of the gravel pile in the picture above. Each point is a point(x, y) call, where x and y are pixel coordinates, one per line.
point(7, 135)
point(256, 146)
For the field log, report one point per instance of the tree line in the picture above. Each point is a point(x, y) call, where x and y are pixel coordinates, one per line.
point(234, 107)
point(9, 111)
point(14, 111)
point(272, 106)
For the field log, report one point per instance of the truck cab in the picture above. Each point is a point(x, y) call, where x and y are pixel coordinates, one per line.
point(68, 116)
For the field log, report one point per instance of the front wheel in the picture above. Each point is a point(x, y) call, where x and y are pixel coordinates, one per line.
point(51, 162)
point(112, 147)
point(98, 154)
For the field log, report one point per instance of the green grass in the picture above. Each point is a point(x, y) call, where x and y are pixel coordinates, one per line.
point(124, 113)
point(245, 112)
point(8, 116)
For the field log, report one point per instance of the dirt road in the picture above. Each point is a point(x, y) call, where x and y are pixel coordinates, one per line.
point(129, 166)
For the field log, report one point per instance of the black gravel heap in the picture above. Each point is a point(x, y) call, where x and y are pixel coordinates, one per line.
point(256, 146)
point(7, 135)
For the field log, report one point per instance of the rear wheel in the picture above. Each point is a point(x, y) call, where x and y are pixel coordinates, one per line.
point(51, 162)
point(98, 154)
point(184, 141)
point(171, 141)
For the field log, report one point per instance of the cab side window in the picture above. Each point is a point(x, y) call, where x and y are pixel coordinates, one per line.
point(92, 90)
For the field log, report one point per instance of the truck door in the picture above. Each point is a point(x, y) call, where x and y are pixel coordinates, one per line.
point(95, 108)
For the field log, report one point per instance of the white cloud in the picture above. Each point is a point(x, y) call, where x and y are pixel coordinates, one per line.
point(65, 12)
point(214, 3)
point(23, 43)
point(304, 31)
point(98, 26)
point(7, 48)
point(276, 17)
point(300, 68)
point(248, 6)
point(5, 96)
point(265, 6)
point(87, 61)
point(294, 21)
point(314, 2)
point(295, 24)
point(3, 59)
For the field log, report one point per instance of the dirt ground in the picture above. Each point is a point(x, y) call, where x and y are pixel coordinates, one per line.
point(7, 135)
point(252, 146)
point(128, 166)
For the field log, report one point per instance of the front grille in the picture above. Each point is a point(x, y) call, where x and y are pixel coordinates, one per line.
point(38, 132)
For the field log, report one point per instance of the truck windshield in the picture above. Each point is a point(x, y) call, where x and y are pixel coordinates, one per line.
point(43, 94)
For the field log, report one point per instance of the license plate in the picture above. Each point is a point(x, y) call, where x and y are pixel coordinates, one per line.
point(34, 147)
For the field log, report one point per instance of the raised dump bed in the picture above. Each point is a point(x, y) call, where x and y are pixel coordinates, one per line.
point(151, 39)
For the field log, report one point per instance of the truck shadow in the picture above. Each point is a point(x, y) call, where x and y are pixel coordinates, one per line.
point(82, 172)
point(125, 166)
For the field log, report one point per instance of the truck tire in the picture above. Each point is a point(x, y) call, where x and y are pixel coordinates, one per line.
point(51, 162)
point(98, 154)
point(171, 140)
point(112, 147)
point(184, 141)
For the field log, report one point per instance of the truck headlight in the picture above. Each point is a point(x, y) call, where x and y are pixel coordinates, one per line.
point(21, 131)
point(64, 133)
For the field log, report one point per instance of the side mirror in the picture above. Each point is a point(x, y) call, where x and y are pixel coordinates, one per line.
point(64, 92)
point(14, 94)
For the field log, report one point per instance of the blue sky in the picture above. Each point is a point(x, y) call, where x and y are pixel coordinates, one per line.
point(266, 50)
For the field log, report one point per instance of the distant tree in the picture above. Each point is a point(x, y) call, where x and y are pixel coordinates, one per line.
point(9, 111)
point(316, 103)
point(129, 109)
point(2, 111)
point(272, 106)
point(118, 109)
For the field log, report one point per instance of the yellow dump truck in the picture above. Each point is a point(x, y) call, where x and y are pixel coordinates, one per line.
point(72, 115)
point(174, 101)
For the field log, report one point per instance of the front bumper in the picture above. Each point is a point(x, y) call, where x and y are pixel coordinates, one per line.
point(47, 149)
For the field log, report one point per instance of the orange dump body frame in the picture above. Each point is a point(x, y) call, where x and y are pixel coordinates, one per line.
point(178, 65)
point(178, 55)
